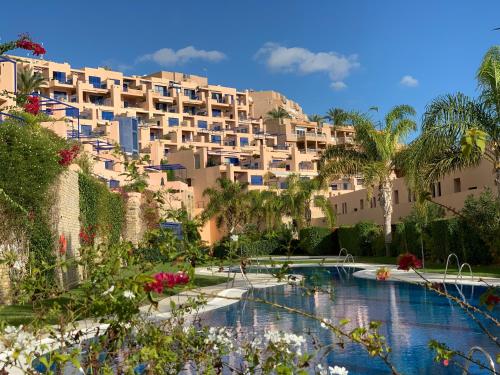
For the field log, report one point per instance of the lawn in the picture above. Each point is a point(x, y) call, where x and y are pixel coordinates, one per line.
point(22, 314)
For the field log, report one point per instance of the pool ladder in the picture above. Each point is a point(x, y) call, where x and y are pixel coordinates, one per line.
point(482, 351)
point(347, 258)
point(460, 267)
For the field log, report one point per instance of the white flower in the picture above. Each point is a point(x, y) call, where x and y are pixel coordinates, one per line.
point(337, 370)
point(128, 294)
point(234, 237)
point(110, 290)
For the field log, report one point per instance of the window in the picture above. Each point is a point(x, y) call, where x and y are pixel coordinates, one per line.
point(108, 164)
point(197, 161)
point(202, 124)
point(114, 184)
point(86, 130)
point(117, 82)
point(216, 138)
point(243, 142)
point(457, 185)
point(334, 187)
point(217, 96)
point(95, 81)
point(60, 95)
point(98, 100)
point(107, 115)
point(59, 76)
point(173, 121)
point(373, 202)
point(216, 113)
point(256, 180)
point(361, 204)
point(436, 189)
point(161, 90)
point(161, 107)
point(336, 209)
point(344, 207)
point(396, 197)
point(345, 186)
point(411, 196)
point(71, 112)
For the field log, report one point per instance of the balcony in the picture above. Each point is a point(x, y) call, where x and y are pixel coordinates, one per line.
point(127, 91)
point(61, 83)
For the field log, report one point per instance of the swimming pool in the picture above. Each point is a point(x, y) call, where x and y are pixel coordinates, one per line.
point(411, 316)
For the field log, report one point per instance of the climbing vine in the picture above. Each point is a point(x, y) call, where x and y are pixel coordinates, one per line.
point(102, 212)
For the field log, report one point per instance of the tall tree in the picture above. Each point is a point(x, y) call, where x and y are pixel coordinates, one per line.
point(317, 119)
point(458, 131)
point(373, 155)
point(29, 81)
point(338, 117)
point(279, 113)
point(228, 203)
point(297, 200)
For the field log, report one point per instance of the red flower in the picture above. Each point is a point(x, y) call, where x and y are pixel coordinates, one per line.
point(66, 156)
point(446, 362)
point(32, 105)
point(492, 299)
point(25, 42)
point(407, 261)
point(63, 244)
point(87, 235)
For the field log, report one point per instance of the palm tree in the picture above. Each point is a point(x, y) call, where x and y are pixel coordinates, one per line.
point(337, 116)
point(266, 209)
point(326, 207)
point(29, 81)
point(373, 155)
point(297, 200)
point(228, 203)
point(458, 131)
point(278, 113)
point(317, 119)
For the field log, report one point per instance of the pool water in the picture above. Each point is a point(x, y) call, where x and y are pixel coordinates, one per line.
point(410, 316)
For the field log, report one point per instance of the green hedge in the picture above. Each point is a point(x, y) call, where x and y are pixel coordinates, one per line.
point(317, 241)
point(101, 209)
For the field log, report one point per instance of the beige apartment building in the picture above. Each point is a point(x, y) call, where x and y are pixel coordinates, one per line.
point(451, 191)
point(193, 132)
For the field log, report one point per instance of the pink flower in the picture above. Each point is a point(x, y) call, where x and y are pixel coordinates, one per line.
point(446, 362)
point(164, 280)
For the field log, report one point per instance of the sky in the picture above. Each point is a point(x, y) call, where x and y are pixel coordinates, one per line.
point(351, 54)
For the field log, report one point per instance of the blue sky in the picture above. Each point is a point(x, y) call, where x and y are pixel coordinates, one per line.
point(349, 54)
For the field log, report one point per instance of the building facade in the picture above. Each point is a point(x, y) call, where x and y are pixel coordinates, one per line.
point(192, 132)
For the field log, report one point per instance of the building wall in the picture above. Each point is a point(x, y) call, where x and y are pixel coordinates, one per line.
point(265, 101)
point(473, 181)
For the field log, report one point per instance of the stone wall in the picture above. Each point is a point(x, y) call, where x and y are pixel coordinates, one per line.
point(134, 223)
point(66, 221)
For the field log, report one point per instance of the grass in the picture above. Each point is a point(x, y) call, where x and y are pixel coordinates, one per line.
point(27, 313)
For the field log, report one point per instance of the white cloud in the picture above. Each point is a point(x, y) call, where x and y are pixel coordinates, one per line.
point(303, 61)
point(338, 85)
point(409, 81)
point(168, 56)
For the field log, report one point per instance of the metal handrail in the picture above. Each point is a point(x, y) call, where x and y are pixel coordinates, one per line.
point(460, 272)
point(447, 264)
point(245, 277)
point(485, 353)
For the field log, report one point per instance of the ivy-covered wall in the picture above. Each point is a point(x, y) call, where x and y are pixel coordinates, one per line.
point(102, 212)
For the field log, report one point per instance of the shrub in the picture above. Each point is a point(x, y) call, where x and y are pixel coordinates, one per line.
point(481, 221)
point(368, 232)
point(316, 241)
point(348, 239)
